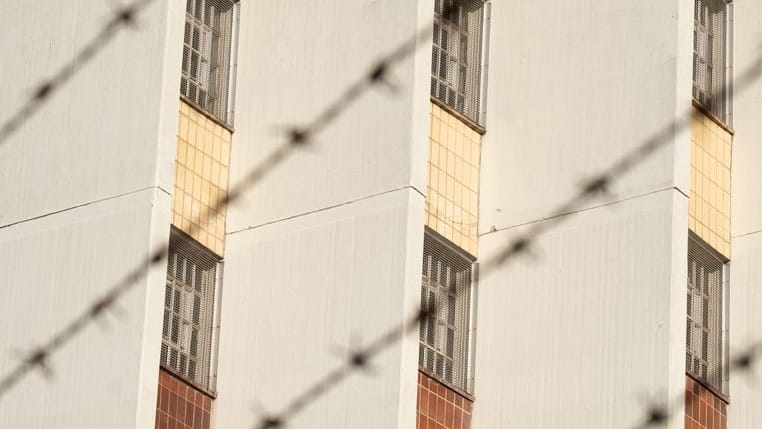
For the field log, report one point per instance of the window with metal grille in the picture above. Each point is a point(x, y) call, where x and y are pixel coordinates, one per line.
point(710, 56)
point(705, 345)
point(189, 298)
point(207, 55)
point(446, 292)
point(456, 57)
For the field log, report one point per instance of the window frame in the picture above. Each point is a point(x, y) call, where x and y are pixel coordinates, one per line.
point(191, 84)
point(472, 111)
point(208, 373)
point(462, 379)
point(717, 101)
point(721, 332)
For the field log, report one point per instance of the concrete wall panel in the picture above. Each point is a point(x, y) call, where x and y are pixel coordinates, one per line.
point(573, 87)
point(746, 217)
point(327, 246)
point(299, 294)
point(370, 148)
point(580, 333)
point(54, 268)
point(111, 128)
point(745, 328)
point(85, 187)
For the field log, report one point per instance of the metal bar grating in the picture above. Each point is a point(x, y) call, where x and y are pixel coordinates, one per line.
point(456, 55)
point(710, 39)
point(189, 293)
point(446, 293)
point(207, 55)
point(704, 327)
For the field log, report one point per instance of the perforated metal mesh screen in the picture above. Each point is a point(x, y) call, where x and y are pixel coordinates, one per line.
point(704, 336)
point(456, 56)
point(710, 39)
point(186, 344)
point(207, 54)
point(446, 293)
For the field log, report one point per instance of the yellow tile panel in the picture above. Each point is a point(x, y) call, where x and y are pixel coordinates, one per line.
point(201, 168)
point(709, 208)
point(452, 202)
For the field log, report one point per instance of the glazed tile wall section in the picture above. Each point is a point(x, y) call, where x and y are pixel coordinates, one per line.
point(180, 406)
point(709, 210)
point(453, 189)
point(440, 407)
point(201, 178)
point(703, 409)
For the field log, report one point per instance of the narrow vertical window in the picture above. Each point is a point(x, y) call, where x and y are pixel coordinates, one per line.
point(456, 56)
point(189, 298)
point(207, 55)
point(446, 289)
point(710, 57)
point(705, 345)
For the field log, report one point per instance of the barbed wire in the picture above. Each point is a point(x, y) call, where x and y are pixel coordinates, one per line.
point(124, 17)
point(296, 136)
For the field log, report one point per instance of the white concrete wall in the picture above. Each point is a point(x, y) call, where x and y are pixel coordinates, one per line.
point(326, 249)
point(572, 87)
point(746, 217)
point(84, 188)
point(580, 335)
point(96, 137)
point(54, 268)
point(585, 332)
point(311, 60)
point(299, 295)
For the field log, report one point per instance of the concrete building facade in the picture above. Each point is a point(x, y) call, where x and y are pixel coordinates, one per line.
point(401, 200)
